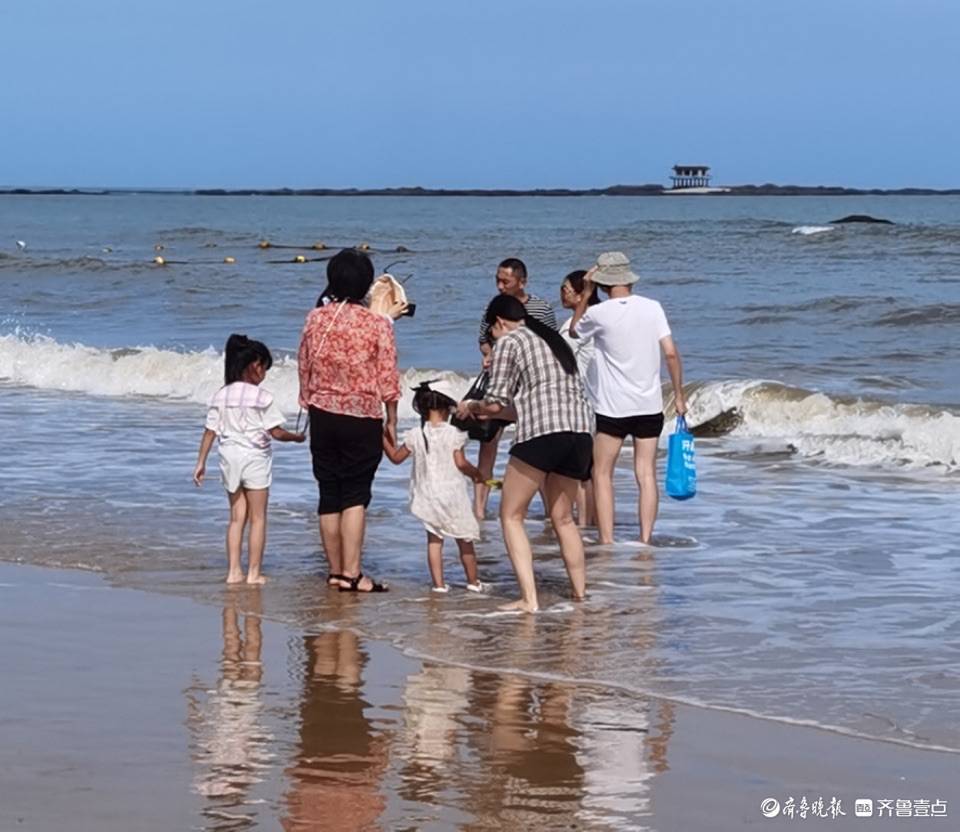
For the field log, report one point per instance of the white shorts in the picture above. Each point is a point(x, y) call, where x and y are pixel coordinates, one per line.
point(245, 468)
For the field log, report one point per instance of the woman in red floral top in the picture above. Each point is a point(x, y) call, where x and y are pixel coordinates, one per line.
point(348, 372)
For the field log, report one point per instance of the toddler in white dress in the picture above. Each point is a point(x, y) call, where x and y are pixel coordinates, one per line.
point(438, 486)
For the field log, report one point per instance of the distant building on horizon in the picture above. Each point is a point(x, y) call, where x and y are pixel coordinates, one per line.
point(692, 179)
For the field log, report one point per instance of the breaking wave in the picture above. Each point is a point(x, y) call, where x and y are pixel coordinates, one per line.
point(810, 230)
point(837, 430)
point(46, 364)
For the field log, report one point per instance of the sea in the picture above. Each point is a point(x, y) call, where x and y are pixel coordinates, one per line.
point(812, 580)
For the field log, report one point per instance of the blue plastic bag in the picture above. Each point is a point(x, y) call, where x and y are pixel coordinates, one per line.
point(681, 466)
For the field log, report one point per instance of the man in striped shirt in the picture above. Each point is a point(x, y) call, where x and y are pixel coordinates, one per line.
point(511, 280)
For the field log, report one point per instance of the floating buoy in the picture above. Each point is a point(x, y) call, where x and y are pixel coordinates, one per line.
point(158, 247)
point(299, 259)
point(319, 246)
point(159, 261)
point(229, 259)
point(263, 244)
point(364, 247)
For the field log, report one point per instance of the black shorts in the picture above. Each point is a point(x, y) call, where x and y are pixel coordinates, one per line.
point(568, 454)
point(346, 453)
point(647, 426)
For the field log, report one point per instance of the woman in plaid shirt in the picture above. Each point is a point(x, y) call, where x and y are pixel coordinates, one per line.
point(534, 378)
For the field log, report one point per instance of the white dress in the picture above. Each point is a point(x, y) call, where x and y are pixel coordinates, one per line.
point(439, 492)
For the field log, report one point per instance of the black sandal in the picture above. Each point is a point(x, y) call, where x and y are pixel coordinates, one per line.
point(355, 585)
point(334, 577)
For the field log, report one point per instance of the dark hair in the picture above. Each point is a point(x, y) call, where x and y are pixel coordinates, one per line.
point(510, 309)
point(349, 275)
point(425, 400)
point(515, 265)
point(575, 279)
point(239, 353)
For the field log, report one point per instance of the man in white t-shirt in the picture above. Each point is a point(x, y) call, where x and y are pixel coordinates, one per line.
point(629, 333)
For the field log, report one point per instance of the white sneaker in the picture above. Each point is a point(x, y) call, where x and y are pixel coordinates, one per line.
point(441, 589)
point(479, 586)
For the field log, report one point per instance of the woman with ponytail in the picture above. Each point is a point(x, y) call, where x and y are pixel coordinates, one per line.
point(534, 374)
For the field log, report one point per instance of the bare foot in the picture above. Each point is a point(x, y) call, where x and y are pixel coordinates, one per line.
point(518, 606)
point(257, 580)
point(234, 577)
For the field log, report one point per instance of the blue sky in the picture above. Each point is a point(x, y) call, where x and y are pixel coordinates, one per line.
point(528, 93)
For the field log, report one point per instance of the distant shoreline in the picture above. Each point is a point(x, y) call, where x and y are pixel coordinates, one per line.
point(614, 190)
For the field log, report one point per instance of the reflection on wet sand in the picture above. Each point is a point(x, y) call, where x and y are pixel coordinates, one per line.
point(229, 747)
point(510, 751)
point(335, 776)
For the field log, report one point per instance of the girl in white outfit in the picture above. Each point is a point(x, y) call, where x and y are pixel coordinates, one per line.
point(438, 485)
point(244, 417)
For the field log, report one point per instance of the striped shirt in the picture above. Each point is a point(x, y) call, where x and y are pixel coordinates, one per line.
point(536, 307)
point(526, 374)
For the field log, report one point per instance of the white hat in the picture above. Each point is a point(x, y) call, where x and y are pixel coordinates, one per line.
point(442, 386)
point(613, 269)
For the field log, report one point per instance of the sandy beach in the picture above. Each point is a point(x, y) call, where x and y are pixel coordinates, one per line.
point(127, 710)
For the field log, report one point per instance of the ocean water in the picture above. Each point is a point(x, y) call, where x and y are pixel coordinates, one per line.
point(812, 580)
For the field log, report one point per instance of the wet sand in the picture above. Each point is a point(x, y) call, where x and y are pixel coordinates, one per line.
point(127, 710)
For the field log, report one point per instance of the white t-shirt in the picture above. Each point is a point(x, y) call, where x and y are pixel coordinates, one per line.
point(582, 348)
point(241, 414)
point(624, 376)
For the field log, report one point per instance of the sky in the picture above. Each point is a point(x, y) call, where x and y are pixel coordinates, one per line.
point(477, 93)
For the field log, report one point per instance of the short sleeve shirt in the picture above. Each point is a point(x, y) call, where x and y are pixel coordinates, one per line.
point(524, 372)
point(243, 414)
point(624, 377)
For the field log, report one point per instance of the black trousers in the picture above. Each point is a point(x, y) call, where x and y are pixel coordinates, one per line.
point(346, 453)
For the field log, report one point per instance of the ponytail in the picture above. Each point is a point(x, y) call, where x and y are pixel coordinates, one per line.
point(510, 309)
point(239, 353)
point(560, 348)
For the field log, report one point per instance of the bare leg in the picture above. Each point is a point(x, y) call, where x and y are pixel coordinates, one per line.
point(238, 519)
point(645, 469)
point(468, 557)
point(353, 522)
point(521, 482)
point(330, 537)
point(257, 513)
point(435, 558)
point(606, 449)
point(486, 459)
point(589, 505)
point(580, 505)
point(561, 492)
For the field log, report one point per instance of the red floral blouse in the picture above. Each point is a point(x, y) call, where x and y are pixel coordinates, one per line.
point(348, 361)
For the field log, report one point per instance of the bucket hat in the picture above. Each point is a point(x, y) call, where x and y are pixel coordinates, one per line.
point(613, 269)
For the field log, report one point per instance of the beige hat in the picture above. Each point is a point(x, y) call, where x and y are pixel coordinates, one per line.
point(613, 269)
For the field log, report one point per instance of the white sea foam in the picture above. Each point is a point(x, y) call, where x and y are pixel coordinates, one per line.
point(43, 363)
point(808, 230)
point(845, 432)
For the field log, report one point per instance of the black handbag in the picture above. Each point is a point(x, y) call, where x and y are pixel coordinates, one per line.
point(482, 430)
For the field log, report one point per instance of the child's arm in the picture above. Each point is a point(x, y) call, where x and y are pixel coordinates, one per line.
point(466, 467)
point(206, 443)
point(282, 435)
point(394, 454)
